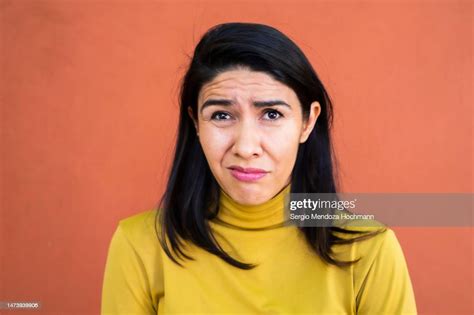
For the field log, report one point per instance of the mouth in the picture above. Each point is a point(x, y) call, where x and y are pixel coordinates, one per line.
point(247, 174)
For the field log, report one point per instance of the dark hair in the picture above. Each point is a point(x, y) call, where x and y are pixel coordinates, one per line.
point(192, 193)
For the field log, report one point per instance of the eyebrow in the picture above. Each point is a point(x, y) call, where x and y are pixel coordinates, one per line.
point(226, 102)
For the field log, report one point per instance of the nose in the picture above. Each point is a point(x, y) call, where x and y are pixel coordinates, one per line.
point(247, 142)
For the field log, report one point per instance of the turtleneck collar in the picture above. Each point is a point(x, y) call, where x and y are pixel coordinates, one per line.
point(270, 214)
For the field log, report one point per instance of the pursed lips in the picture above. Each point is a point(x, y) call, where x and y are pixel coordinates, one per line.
point(247, 174)
point(248, 170)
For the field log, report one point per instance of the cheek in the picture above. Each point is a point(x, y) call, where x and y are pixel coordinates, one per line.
point(282, 146)
point(214, 143)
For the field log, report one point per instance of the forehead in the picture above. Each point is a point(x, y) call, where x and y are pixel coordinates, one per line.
point(243, 83)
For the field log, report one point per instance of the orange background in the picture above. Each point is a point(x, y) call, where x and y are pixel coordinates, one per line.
point(89, 113)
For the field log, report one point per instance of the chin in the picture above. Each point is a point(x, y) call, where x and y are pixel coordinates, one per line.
point(248, 194)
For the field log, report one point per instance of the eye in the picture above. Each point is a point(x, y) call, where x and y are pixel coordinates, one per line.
point(272, 114)
point(220, 116)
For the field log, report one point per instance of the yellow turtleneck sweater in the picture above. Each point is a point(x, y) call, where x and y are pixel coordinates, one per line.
point(290, 279)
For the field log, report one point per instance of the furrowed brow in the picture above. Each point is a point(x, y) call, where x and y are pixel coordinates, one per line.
point(222, 102)
point(258, 104)
point(270, 103)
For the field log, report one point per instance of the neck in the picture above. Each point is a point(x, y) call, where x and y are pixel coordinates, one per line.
point(267, 215)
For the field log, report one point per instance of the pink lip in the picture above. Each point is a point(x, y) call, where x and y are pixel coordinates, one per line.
point(247, 174)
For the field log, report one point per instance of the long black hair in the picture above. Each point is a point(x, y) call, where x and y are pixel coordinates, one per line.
point(192, 193)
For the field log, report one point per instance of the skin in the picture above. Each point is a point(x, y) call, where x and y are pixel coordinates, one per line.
point(248, 136)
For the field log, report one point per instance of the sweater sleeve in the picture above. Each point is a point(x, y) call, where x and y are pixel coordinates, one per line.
point(386, 287)
point(125, 289)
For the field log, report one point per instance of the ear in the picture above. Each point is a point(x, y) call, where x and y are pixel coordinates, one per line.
point(308, 125)
point(190, 112)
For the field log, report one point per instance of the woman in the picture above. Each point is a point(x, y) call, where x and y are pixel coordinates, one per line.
point(254, 126)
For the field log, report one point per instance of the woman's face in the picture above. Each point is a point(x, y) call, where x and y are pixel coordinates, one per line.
point(250, 127)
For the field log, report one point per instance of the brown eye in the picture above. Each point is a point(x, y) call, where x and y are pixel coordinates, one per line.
point(220, 116)
point(272, 115)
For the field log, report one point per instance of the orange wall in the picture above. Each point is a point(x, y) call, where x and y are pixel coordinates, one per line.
point(89, 108)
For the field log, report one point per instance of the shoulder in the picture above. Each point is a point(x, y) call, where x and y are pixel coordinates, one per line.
point(139, 229)
point(133, 276)
point(384, 248)
point(383, 243)
point(359, 227)
point(381, 254)
point(136, 222)
point(376, 239)
point(382, 271)
point(384, 237)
